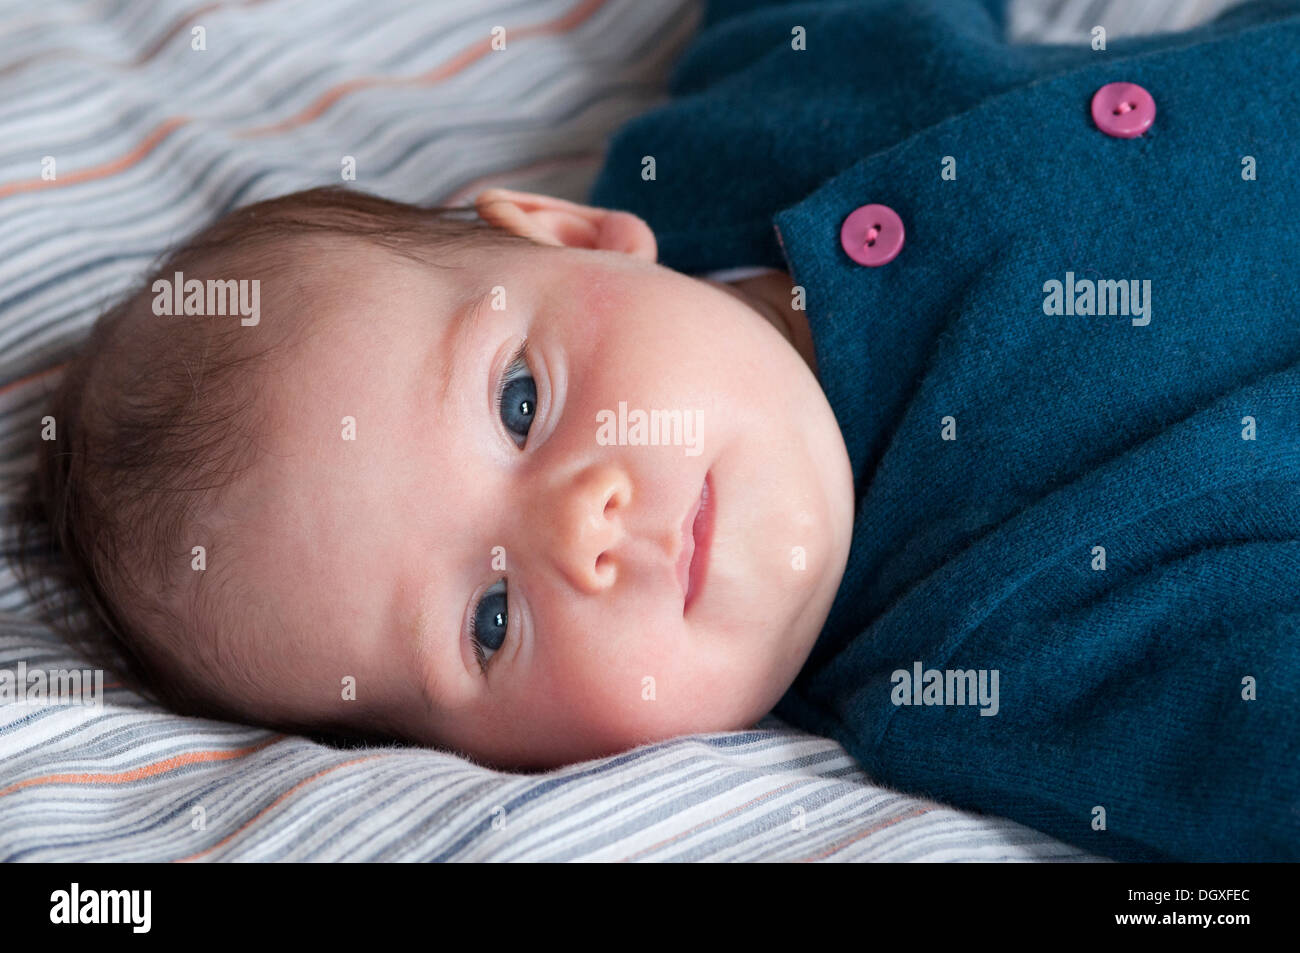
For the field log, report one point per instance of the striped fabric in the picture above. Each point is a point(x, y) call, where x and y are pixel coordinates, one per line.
point(149, 139)
point(1070, 21)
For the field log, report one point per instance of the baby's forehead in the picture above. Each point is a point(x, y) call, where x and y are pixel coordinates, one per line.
point(374, 333)
point(339, 265)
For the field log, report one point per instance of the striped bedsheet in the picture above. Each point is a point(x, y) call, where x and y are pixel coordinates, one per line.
point(117, 138)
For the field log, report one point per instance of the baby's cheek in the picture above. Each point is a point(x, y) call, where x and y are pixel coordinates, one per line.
point(616, 688)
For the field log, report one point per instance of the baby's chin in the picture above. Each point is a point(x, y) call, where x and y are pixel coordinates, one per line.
point(783, 527)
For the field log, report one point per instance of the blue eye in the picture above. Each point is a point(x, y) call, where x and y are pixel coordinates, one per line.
point(488, 626)
point(517, 397)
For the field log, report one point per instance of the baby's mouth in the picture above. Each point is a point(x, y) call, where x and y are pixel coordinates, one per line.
point(697, 536)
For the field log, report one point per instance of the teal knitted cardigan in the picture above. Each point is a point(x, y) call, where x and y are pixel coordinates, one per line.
point(1101, 508)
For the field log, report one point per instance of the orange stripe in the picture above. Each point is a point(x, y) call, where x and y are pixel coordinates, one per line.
point(723, 816)
point(476, 51)
point(578, 15)
point(144, 771)
point(33, 376)
point(253, 820)
point(100, 171)
point(915, 812)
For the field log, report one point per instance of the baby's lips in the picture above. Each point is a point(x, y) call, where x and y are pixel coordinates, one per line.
point(687, 553)
point(701, 541)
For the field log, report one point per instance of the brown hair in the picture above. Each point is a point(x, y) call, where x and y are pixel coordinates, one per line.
point(154, 418)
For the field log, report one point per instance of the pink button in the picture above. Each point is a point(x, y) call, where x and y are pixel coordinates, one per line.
point(1123, 110)
point(872, 235)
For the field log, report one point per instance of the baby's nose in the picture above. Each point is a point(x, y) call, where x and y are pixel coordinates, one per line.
point(584, 522)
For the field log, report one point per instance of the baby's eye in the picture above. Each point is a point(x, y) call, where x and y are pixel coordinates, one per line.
point(517, 397)
point(488, 626)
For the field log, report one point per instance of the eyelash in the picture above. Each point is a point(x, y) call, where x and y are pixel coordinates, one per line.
point(478, 646)
point(473, 627)
point(517, 368)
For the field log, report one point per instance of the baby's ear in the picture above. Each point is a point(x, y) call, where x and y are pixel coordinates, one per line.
point(553, 221)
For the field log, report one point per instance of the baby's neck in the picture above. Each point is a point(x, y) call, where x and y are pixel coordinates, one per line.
point(771, 294)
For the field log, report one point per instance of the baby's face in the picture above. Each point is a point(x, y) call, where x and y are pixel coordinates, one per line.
point(618, 592)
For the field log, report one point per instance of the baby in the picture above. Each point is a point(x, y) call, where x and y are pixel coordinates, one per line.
point(987, 463)
point(388, 507)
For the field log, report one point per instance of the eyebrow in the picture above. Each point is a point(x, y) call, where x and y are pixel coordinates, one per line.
point(427, 672)
point(459, 328)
